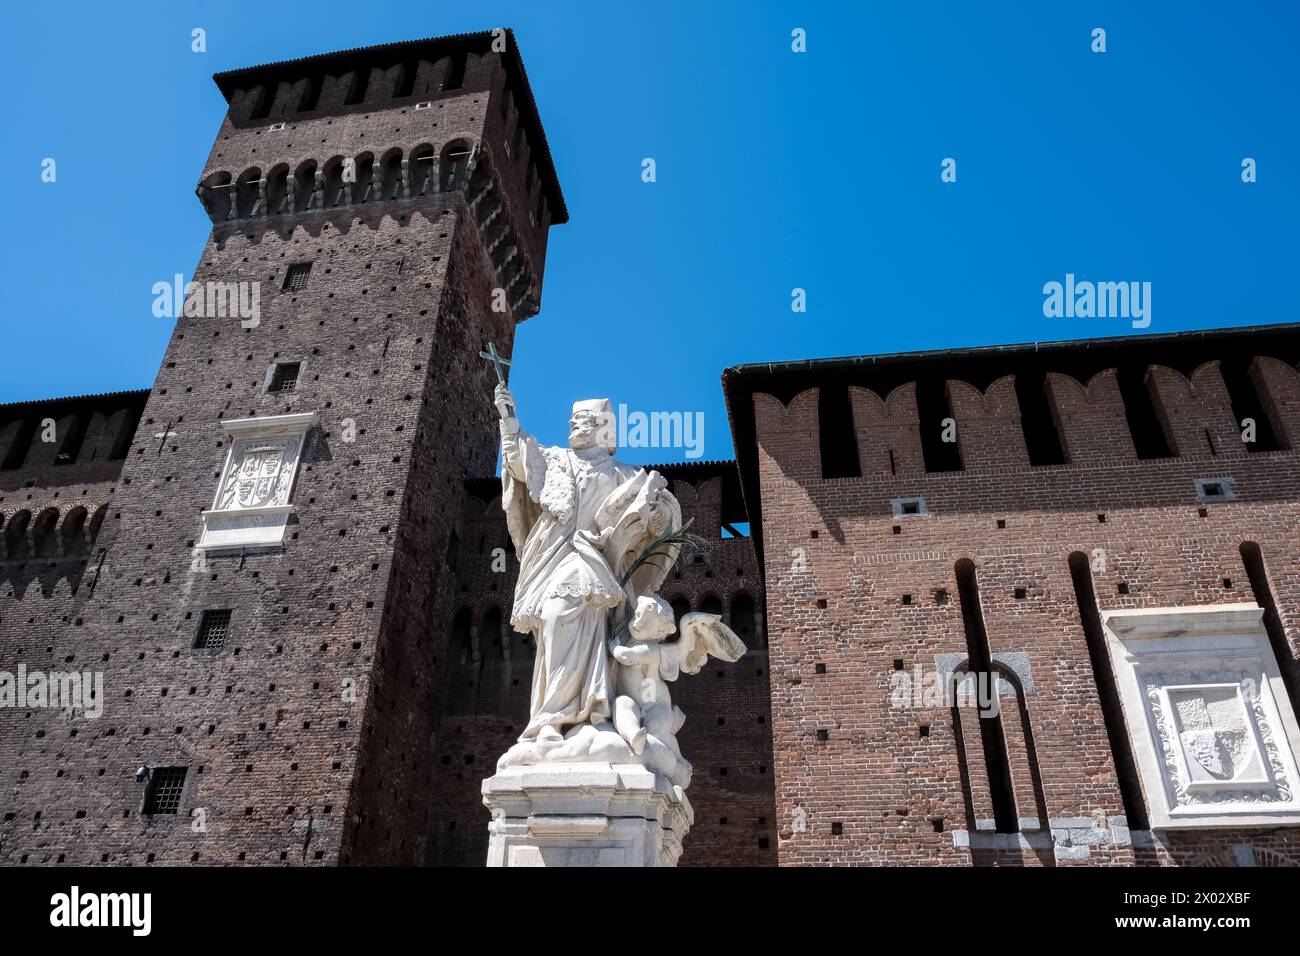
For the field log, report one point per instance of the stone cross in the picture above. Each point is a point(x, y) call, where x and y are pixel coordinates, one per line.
point(498, 362)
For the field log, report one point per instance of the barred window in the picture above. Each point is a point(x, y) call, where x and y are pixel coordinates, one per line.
point(163, 794)
point(214, 626)
point(295, 280)
point(285, 377)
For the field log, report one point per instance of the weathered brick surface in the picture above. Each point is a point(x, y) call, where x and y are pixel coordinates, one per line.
point(854, 591)
point(283, 764)
point(371, 679)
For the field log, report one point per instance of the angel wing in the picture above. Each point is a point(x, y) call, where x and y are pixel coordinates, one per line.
point(702, 635)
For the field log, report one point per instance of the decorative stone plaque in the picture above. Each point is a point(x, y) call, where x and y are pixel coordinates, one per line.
point(1213, 732)
point(251, 508)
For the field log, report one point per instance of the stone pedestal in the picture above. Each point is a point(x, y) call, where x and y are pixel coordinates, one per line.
point(584, 814)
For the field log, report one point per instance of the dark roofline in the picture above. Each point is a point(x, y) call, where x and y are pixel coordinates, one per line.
point(980, 351)
point(141, 393)
point(341, 61)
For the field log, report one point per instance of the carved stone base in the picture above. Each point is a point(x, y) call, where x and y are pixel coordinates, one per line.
point(585, 814)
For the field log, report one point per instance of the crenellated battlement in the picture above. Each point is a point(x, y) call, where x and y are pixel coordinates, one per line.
point(373, 131)
point(1004, 410)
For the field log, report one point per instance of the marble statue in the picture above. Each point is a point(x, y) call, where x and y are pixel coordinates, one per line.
point(595, 540)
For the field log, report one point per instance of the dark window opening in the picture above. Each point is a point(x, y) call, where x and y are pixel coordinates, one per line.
point(214, 628)
point(22, 443)
point(743, 620)
point(406, 80)
point(311, 93)
point(1247, 402)
point(996, 760)
point(163, 792)
point(1149, 438)
point(933, 409)
point(72, 441)
point(839, 445)
point(357, 91)
point(1037, 421)
point(1121, 748)
point(295, 279)
point(1253, 559)
point(265, 95)
point(285, 377)
point(122, 443)
point(456, 75)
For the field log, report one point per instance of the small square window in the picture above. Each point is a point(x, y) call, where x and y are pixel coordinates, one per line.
point(909, 507)
point(163, 793)
point(214, 626)
point(284, 377)
point(295, 280)
point(1214, 489)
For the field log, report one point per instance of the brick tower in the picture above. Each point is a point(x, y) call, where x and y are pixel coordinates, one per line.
point(266, 591)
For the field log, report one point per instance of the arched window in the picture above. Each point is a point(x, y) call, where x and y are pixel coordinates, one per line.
point(391, 166)
point(304, 184)
point(365, 184)
point(711, 604)
point(96, 520)
point(423, 168)
point(248, 193)
point(216, 192)
point(73, 532)
point(462, 634)
point(45, 540)
point(16, 536)
point(453, 164)
point(336, 190)
point(277, 189)
point(996, 796)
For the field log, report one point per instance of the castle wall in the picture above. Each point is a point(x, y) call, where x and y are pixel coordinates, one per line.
point(309, 736)
point(857, 594)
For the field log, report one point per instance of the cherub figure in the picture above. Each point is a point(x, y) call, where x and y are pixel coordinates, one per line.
point(644, 714)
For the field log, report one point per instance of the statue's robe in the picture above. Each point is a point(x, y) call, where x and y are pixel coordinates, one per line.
point(558, 502)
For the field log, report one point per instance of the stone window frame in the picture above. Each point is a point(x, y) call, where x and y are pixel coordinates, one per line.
point(1225, 495)
point(1156, 650)
point(259, 526)
point(270, 376)
point(899, 505)
point(287, 270)
point(182, 799)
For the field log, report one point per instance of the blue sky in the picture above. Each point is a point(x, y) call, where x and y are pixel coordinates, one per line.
point(776, 170)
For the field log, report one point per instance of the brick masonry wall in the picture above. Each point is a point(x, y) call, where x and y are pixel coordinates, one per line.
point(284, 766)
point(854, 593)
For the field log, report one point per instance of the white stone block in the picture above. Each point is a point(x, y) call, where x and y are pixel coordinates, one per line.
point(584, 814)
point(1213, 732)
